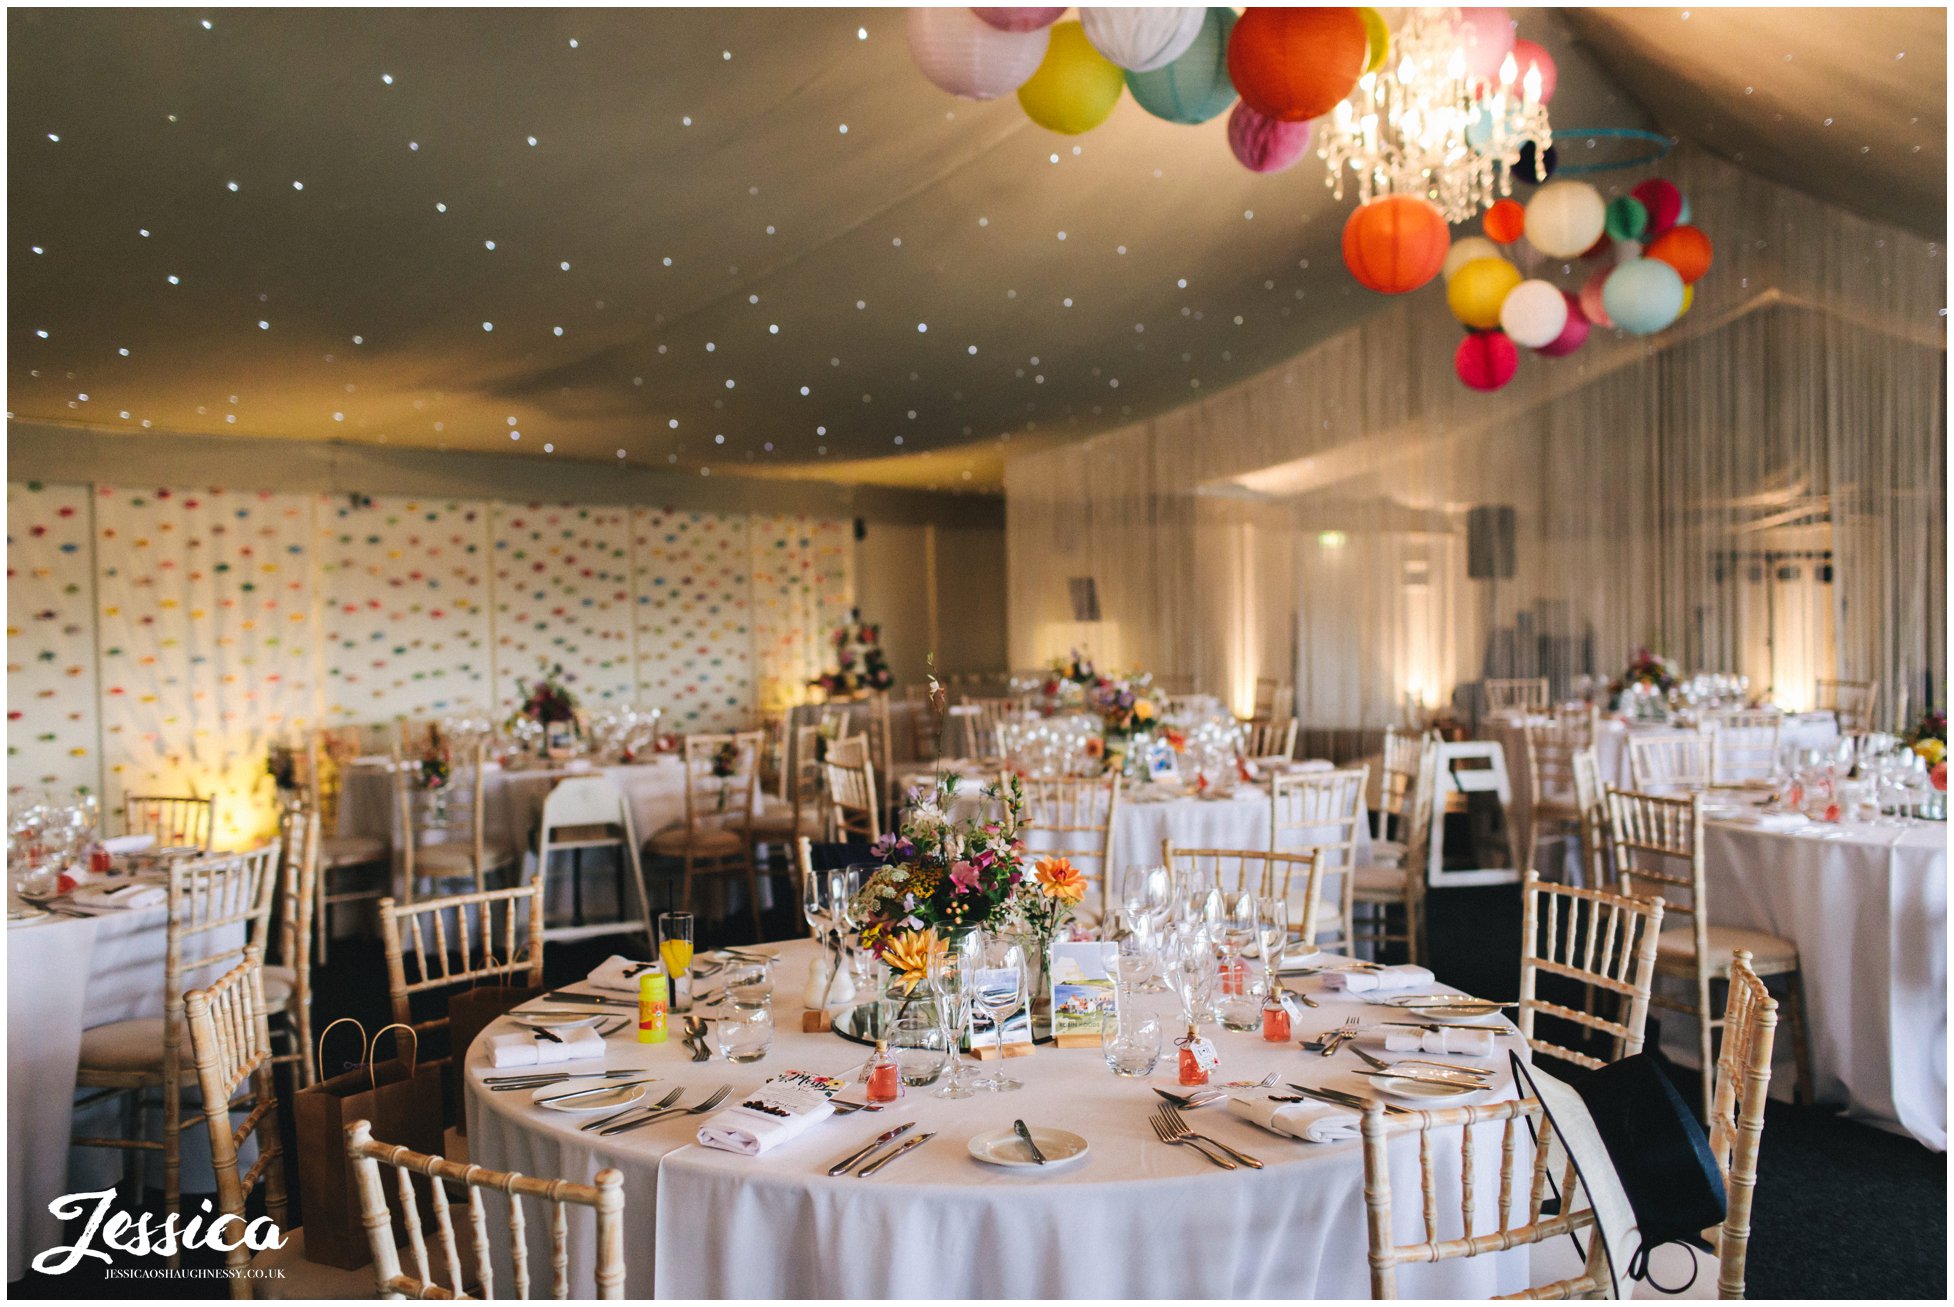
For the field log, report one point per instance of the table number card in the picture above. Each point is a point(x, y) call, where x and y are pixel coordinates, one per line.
point(1082, 991)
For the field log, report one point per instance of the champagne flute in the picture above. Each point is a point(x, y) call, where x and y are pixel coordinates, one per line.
point(1000, 992)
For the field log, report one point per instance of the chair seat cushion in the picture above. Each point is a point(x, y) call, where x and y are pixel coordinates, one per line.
point(133, 1045)
point(1389, 853)
point(1373, 884)
point(706, 842)
point(456, 859)
point(351, 850)
point(1675, 950)
point(280, 984)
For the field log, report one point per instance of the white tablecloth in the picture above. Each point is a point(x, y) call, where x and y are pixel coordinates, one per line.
point(1134, 1219)
point(1867, 907)
point(655, 789)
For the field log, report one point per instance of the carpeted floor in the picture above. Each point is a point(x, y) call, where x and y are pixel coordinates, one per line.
point(1843, 1210)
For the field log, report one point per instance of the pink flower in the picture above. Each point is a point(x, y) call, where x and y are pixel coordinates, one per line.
point(963, 877)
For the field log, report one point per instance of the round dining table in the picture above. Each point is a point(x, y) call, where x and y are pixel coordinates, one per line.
point(1131, 1218)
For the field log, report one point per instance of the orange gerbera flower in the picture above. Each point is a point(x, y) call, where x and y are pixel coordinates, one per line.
point(910, 955)
point(1059, 879)
point(1095, 746)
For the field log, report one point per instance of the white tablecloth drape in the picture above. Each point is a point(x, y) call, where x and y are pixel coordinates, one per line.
point(1134, 1219)
point(1867, 907)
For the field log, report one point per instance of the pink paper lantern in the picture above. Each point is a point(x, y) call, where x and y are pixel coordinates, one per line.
point(1265, 144)
point(1591, 307)
point(1573, 335)
point(969, 58)
point(1019, 20)
point(1486, 360)
point(1529, 54)
point(1487, 38)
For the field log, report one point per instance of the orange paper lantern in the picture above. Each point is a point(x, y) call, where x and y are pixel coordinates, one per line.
point(1506, 221)
point(1395, 244)
point(1295, 64)
point(1684, 248)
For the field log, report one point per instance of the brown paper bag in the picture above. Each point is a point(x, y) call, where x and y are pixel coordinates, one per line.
point(403, 1101)
point(469, 1013)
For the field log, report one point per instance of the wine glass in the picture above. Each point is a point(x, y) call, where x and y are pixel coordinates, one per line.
point(1272, 929)
point(951, 976)
point(999, 992)
point(1235, 931)
point(1194, 974)
point(843, 887)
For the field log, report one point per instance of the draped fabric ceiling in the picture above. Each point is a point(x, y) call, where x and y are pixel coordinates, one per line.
point(645, 234)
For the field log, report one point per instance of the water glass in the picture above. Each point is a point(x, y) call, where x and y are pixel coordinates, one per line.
point(749, 984)
point(1130, 1038)
point(919, 1046)
point(744, 1034)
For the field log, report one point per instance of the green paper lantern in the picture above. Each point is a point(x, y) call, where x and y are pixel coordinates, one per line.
point(1627, 219)
point(1194, 87)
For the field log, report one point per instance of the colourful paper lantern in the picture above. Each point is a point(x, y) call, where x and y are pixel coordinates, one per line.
point(1295, 64)
point(1019, 20)
point(1564, 218)
point(1264, 144)
point(1664, 203)
point(1684, 248)
point(1533, 314)
point(1395, 244)
point(1195, 87)
point(1486, 360)
point(1464, 251)
point(1573, 333)
point(1689, 298)
point(968, 57)
point(1478, 289)
point(1377, 39)
point(1486, 36)
point(1139, 39)
point(1643, 296)
point(1593, 307)
point(1627, 218)
point(1075, 87)
point(1529, 54)
point(1505, 222)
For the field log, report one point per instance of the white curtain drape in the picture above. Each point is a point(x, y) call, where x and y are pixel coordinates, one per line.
point(1759, 489)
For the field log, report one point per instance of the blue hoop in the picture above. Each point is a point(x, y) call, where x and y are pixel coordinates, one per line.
point(1660, 151)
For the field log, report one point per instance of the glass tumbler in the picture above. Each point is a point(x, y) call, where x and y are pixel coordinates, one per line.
point(744, 1034)
point(1130, 1039)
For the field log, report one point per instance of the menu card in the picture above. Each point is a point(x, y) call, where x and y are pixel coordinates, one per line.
point(782, 1109)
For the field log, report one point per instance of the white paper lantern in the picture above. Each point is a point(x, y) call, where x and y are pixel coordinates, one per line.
point(1464, 250)
point(967, 57)
point(1141, 40)
point(1534, 313)
point(1565, 218)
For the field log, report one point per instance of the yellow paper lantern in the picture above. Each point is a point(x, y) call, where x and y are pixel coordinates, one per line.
point(1477, 290)
point(1075, 88)
point(1689, 298)
point(1377, 37)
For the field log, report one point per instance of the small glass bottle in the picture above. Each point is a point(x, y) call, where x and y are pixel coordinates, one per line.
point(883, 1074)
point(1193, 1071)
point(1275, 1015)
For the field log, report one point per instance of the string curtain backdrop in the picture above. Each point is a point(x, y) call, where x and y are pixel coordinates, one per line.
point(1758, 490)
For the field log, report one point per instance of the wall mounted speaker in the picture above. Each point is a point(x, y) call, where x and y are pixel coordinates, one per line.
point(1489, 542)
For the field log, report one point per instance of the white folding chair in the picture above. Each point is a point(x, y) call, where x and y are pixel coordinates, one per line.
point(580, 814)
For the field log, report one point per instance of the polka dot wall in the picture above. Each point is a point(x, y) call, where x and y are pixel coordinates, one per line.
point(52, 726)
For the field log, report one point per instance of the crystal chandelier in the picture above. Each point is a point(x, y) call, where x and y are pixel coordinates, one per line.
point(1421, 125)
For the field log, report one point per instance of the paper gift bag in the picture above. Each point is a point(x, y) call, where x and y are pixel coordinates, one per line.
point(402, 1098)
point(469, 1013)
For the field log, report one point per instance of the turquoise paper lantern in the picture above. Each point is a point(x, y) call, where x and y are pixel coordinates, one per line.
point(1195, 87)
point(1643, 296)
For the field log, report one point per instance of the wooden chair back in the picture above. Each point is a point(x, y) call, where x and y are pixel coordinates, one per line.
point(605, 1197)
point(1678, 759)
point(464, 805)
point(1396, 775)
point(1744, 747)
point(230, 1042)
point(725, 802)
point(1515, 694)
point(1551, 747)
point(851, 800)
point(800, 771)
point(177, 821)
point(298, 889)
point(1851, 702)
point(1274, 697)
point(1606, 942)
point(1658, 843)
point(1518, 1213)
point(1269, 737)
point(1072, 817)
point(1322, 812)
point(983, 725)
point(1591, 797)
point(464, 939)
point(1750, 1027)
point(849, 751)
point(1258, 871)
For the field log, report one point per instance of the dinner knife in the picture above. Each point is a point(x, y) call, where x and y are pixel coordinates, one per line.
point(1024, 1133)
point(599, 1089)
point(885, 1137)
point(571, 996)
point(893, 1154)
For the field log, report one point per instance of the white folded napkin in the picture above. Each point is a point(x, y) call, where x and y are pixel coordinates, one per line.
point(529, 1048)
point(1384, 980)
point(1446, 1039)
point(619, 975)
point(1316, 1123)
point(1314, 764)
point(1769, 820)
point(121, 896)
point(779, 1111)
point(128, 843)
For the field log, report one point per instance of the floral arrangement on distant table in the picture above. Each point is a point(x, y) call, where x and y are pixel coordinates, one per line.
point(1648, 669)
point(859, 662)
point(282, 765)
point(548, 700)
point(1928, 738)
point(725, 766)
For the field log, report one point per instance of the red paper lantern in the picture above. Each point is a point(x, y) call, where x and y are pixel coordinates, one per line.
point(1505, 222)
point(1684, 248)
point(1395, 244)
point(1486, 360)
point(1295, 64)
point(1529, 54)
point(1573, 335)
point(1664, 203)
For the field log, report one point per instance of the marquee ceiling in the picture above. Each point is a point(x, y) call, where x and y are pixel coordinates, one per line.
point(744, 241)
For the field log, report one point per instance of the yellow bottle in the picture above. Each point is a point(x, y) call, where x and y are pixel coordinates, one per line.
point(651, 1007)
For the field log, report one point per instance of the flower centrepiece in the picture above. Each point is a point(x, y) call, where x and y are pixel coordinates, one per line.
point(860, 663)
point(941, 875)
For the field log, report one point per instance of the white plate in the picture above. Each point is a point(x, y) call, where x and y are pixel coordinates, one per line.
point(1420, 1091)
point(557, 1025)
point(27, 914)
point(1004, 1148)
point(621, 1096)
point(1294, 963)
point(1445, 1010)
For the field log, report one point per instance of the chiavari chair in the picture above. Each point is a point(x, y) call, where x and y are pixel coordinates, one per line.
point(1851, 703)
point(983, 725)
point(1399, 770)
point(605, 1198)
point(1274, 698)
point(1258, 871)
point(1591, 797)
point(1750, 1027)
point(1399, 877)
point(925, 719)
point(287, 983)
point(1744, 747)
point(1519, 1218)
point(851, 799)
point(217, 908)
point(1072, 817)
point(325, 756)
point(1652, 835)
point(1269, 738)
point(1321, 812)
point(1676, 759)
point(715, 838)
point(474, 857)
point(1515, 694)
point(177, 821)
point(794, 809)
point(1606, 943)
point(1551, 747)
point(463, 940)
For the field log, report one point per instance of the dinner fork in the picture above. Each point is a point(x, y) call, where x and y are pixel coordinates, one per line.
point(1440, 1069)
point(667, 1101)
point(1171, 1117)
point(1160, 1129)
point(711, 1101)
point(1337, 1038)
